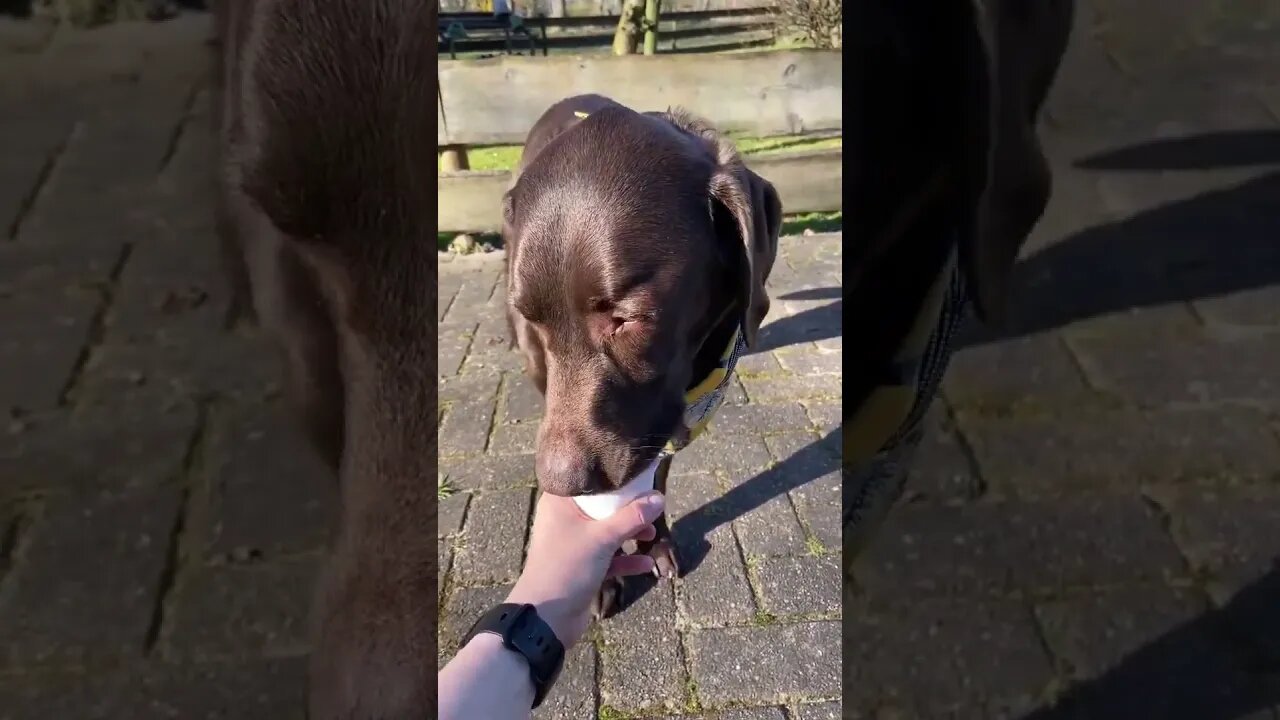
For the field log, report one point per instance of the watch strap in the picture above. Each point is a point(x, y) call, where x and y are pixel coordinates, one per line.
point(523, 632)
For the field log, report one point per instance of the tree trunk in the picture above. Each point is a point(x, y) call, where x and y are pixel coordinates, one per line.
point(627, 35)
point(651, 10)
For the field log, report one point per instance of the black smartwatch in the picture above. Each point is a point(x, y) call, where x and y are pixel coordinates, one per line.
point(524, 632)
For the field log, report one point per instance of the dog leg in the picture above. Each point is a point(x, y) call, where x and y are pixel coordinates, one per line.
point(610, 598)
point(662, 548)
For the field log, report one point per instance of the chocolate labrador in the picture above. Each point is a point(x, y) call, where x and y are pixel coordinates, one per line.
point(638, 246)
point(328, 183)
point(947, 179)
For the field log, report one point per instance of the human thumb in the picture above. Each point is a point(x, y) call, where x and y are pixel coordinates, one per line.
point(635, 515)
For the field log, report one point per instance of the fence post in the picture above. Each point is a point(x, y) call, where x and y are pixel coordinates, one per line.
point(454, 158)
point(651, 9)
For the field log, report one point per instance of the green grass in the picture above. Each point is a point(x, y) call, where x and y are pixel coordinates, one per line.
point(505, 157)
point(818, 222)
point(823, 222)
point(443, 487)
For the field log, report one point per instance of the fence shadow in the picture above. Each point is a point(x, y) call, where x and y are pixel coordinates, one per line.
point(820, 323)
point(1219, 242)
point(1191, 673)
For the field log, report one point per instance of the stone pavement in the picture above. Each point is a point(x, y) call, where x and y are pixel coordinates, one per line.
point(755, 504)
point(1091, 531)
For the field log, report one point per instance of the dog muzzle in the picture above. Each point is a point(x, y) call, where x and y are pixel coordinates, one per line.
point(703, 400)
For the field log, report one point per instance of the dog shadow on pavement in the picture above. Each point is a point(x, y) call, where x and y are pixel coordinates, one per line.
point(1222, 665)
point(819, 458)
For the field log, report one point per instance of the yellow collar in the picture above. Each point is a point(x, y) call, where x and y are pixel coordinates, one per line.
point(705, 398)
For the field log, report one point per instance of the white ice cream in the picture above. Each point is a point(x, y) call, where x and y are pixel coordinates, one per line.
point(601, 505)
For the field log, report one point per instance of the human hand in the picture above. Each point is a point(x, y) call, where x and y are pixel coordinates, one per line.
point(570, 555)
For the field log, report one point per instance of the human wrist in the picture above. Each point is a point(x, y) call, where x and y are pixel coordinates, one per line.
point(552, 610)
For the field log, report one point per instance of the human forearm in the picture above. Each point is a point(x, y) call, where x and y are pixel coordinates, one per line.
point(485, 680)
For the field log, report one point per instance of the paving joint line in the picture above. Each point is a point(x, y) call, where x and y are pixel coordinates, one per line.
point(33, 196)
point(97, 328)
point(186, 538)
point(180, 127)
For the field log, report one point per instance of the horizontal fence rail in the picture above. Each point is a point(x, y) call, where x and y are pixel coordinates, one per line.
point(690, 31)
point(787, 92)
point(806, 182)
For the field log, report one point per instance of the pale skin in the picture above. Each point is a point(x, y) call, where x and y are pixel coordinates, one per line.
point(569, 556)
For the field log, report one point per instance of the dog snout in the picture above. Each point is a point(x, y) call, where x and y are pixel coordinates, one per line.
point(566, 467)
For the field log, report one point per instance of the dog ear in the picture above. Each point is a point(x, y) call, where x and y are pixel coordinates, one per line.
point(1011, 53)
point(752, 204)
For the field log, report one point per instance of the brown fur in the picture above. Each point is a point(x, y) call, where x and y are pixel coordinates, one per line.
point(328, 187)
point(636, 245)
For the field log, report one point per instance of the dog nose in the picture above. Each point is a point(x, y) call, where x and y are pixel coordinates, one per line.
point(567, 473)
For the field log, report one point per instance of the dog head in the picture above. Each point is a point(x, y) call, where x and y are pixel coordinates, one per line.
point(638, 245)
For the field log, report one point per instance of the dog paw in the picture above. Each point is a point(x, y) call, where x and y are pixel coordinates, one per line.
point(609, 600)
point(665, 564)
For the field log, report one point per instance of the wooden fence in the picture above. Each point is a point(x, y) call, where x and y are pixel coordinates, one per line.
point(497, 101)
point(678, 32)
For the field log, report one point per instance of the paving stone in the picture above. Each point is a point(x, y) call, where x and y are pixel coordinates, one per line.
point(1254, 307)
point(941, 470)
point(43, 342)
point(640, 665)
point(241, 689)
point(236, 367)
point(492, 359)
point(934, 658)
point(761, 419)
point(758, 363)
point(738, 455)
point(271, 493)
point(826, 417)
point(452, 510)
point(491, 548)
point(89, 578)
point(1036, 454)
point(1231, 535)
point(818, 711)
point(714, 588)
point(763, 664)
point(489, 472)
point(1096, 631)
point(1001, 373)
point(522, 402)
point(994, 547)
point(808, 359)
point(573, 697)
point(767, 523)
point(455, 342)
point(129, 444)
point(464, 607)
point(751, 713)
point(789, 388)
point(253, 610)
point(467, 421)
point(1154, 372)
point(172, 286)
point(802, 585)
point(519, 439)
point(817, 503)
